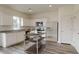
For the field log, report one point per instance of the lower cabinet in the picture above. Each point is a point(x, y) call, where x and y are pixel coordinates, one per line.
point(12, 38)
point(0, 39)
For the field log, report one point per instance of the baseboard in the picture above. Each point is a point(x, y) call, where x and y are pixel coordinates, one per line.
point(76, 47)
point(66, 43)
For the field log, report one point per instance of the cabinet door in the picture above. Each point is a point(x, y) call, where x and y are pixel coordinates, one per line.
point(66, 29)
point(10, 39)
point(13, 38)
point(1, 18)
point(6, 19)
point(20, 36)
point(0, 39)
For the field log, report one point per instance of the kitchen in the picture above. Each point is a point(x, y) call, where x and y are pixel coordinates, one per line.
point(42, 22)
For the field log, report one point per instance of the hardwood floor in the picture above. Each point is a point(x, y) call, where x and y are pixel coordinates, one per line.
point(49, 48)
point(57, 48)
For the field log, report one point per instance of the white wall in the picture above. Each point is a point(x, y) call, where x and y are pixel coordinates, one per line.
point(75, 19)
point(6, 15)
point(69, 25)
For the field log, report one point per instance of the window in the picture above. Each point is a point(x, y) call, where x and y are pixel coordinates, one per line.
point(17, 21)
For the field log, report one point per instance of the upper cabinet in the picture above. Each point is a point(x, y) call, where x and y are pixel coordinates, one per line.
point(5, 19)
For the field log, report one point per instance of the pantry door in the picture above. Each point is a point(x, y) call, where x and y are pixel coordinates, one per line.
point(66, 29)
point(76, 30)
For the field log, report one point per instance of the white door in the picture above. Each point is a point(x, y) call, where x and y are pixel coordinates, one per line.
point(76, 30)
point(66, 29)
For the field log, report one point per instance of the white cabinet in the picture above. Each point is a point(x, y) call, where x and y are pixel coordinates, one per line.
point(1, 16)
point(20, 36)
point(0, 39)
point(12, 38)
point(7, 19)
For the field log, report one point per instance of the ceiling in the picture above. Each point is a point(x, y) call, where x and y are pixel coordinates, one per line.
point(36, 8)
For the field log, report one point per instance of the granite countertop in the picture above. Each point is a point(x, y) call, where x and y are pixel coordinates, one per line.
point(7, 29)
point(11, 30)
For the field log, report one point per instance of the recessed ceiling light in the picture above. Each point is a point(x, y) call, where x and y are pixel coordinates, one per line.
point(29, 10)
point(50, 5)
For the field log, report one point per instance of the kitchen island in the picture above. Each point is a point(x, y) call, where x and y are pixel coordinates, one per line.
point(10, 35)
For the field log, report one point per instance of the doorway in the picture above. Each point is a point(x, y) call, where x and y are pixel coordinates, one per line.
point(52, 31)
